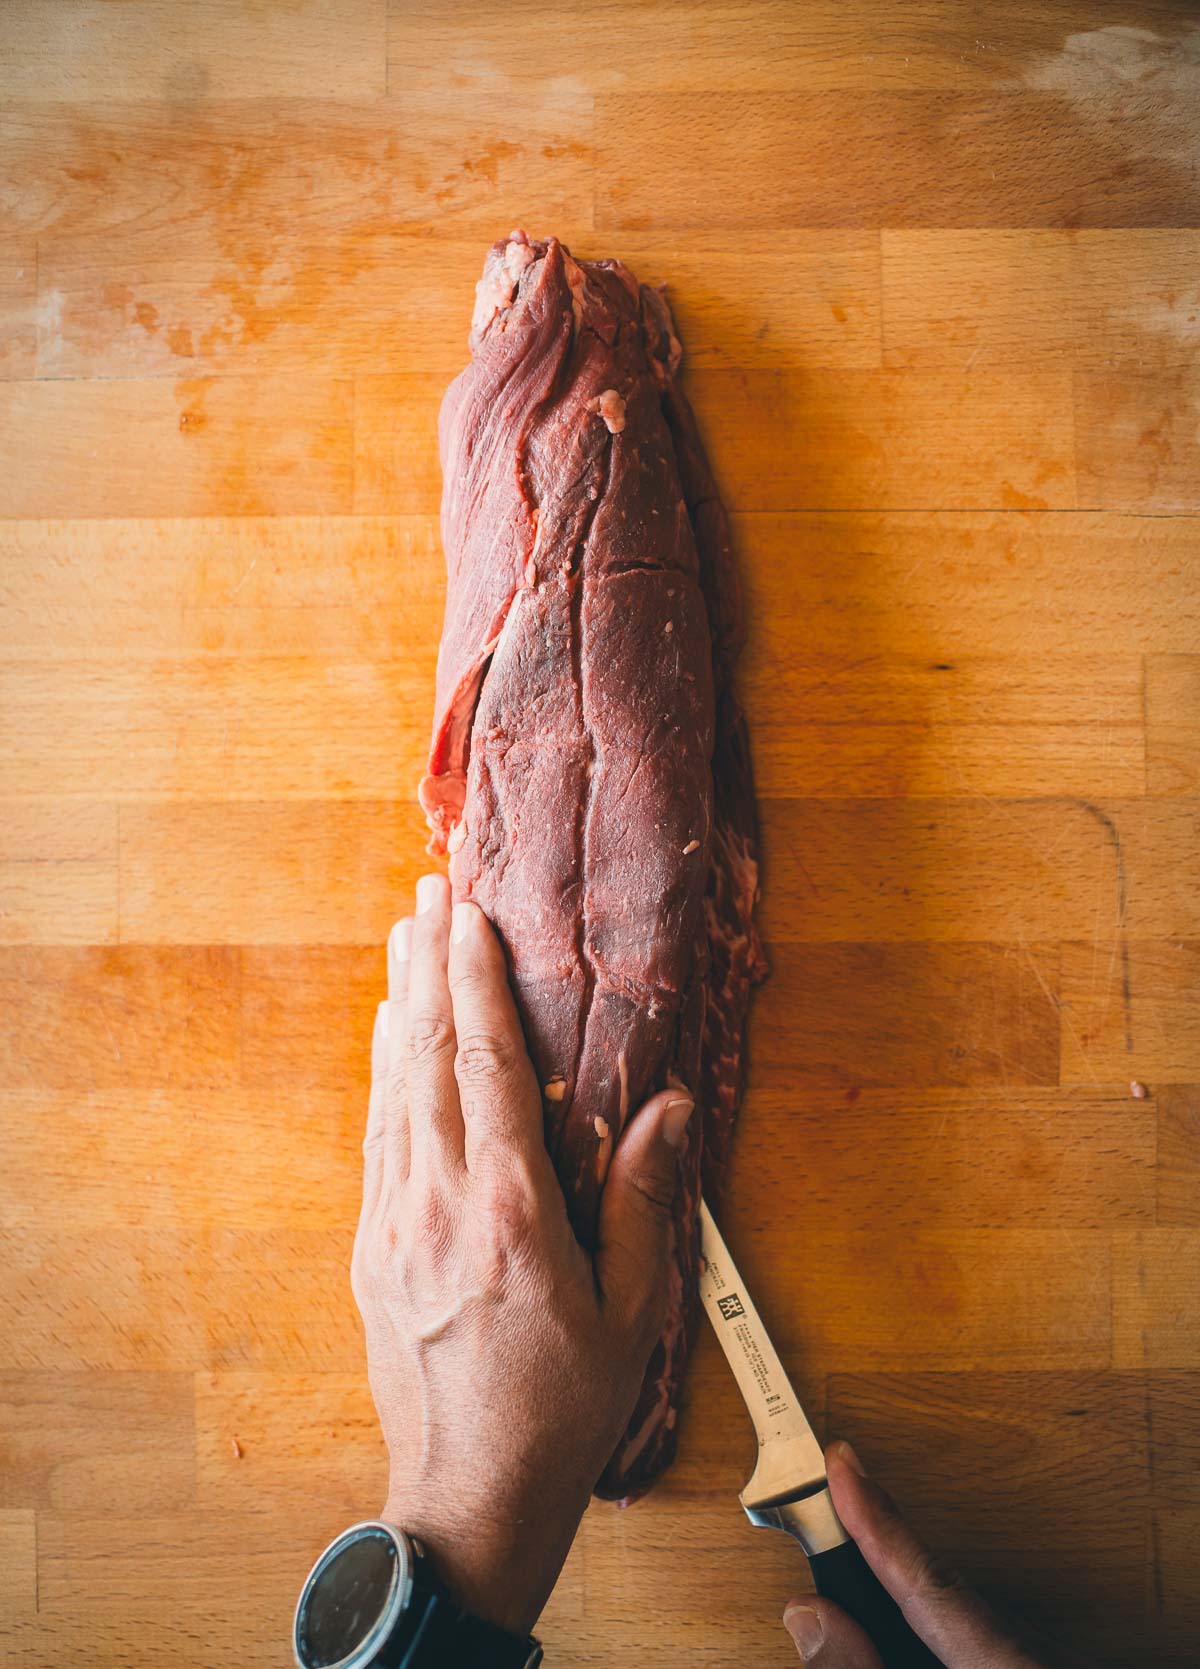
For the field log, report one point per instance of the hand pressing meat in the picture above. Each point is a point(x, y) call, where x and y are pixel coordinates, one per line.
point(589, 774)
point(504, 1358)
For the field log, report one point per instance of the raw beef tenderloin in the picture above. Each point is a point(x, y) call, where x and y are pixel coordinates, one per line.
point(589, 773)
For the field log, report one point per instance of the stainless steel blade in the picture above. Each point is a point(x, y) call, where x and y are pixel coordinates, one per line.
point(786, 1490)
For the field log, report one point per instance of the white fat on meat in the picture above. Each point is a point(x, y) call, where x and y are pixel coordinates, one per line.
point(611, 407)
point(496, 289)
point(517, 256)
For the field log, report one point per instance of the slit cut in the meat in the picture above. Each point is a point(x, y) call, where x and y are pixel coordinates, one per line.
point(602, 1149)
point(590, 776)
point(442, 791)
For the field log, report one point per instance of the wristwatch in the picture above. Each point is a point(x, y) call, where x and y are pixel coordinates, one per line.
point(373, 1601)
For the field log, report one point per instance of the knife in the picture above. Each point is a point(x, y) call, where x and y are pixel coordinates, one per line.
point(787, 1489)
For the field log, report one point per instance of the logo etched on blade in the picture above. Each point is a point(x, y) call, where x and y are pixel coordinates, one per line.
point(730, 1306)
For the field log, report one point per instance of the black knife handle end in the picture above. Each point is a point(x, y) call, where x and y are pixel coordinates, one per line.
point(844, 1576)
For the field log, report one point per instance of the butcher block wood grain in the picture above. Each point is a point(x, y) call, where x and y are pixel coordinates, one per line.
point(935, 268)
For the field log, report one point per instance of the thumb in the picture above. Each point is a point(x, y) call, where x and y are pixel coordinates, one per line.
point(635, 1207)
point(824, 1635)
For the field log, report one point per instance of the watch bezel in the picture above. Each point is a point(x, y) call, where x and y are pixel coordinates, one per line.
point(398, 1599)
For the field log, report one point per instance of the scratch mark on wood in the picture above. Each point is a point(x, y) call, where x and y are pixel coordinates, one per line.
point(1111, 830)
point(244, 578)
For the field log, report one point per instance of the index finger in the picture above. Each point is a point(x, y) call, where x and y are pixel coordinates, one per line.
point(951, 1618)
point(395, 1108)
point(498, 1092)
point(434, 1120)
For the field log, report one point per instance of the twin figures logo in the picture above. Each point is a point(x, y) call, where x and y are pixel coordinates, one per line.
point(730, 1306)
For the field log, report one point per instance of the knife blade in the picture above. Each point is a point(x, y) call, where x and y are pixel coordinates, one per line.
point(787, 1489)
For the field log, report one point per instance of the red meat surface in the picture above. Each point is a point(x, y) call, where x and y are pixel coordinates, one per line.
point(589, 772)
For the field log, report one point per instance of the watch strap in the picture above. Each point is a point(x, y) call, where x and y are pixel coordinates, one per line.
point(453, 1639)
point(441, 1635)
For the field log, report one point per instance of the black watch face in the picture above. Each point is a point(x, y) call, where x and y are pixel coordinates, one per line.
point(348, 1598)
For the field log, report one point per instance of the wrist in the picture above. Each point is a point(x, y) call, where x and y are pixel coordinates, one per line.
point(499, 1566)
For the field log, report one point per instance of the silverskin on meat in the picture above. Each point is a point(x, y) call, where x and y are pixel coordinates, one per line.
point(589, 772)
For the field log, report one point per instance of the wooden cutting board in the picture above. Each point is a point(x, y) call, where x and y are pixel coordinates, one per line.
point(936, 273)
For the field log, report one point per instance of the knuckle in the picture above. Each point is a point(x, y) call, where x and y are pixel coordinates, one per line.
point(655, 1189)
point(403, 1258)
point(429, 1035)
point(433, 1223)
point(485, 1058)
point(937, 1578)
point(508, 1208)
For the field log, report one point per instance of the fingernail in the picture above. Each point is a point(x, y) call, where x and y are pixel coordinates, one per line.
point(806, 1629)
point(428, 888)
point(675, 1120)
point(460, 921)
point(851, 1459)
point(379, 1040)
point(400, 942)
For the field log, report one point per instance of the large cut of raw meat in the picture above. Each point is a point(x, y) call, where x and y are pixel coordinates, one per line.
point(589, 771)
